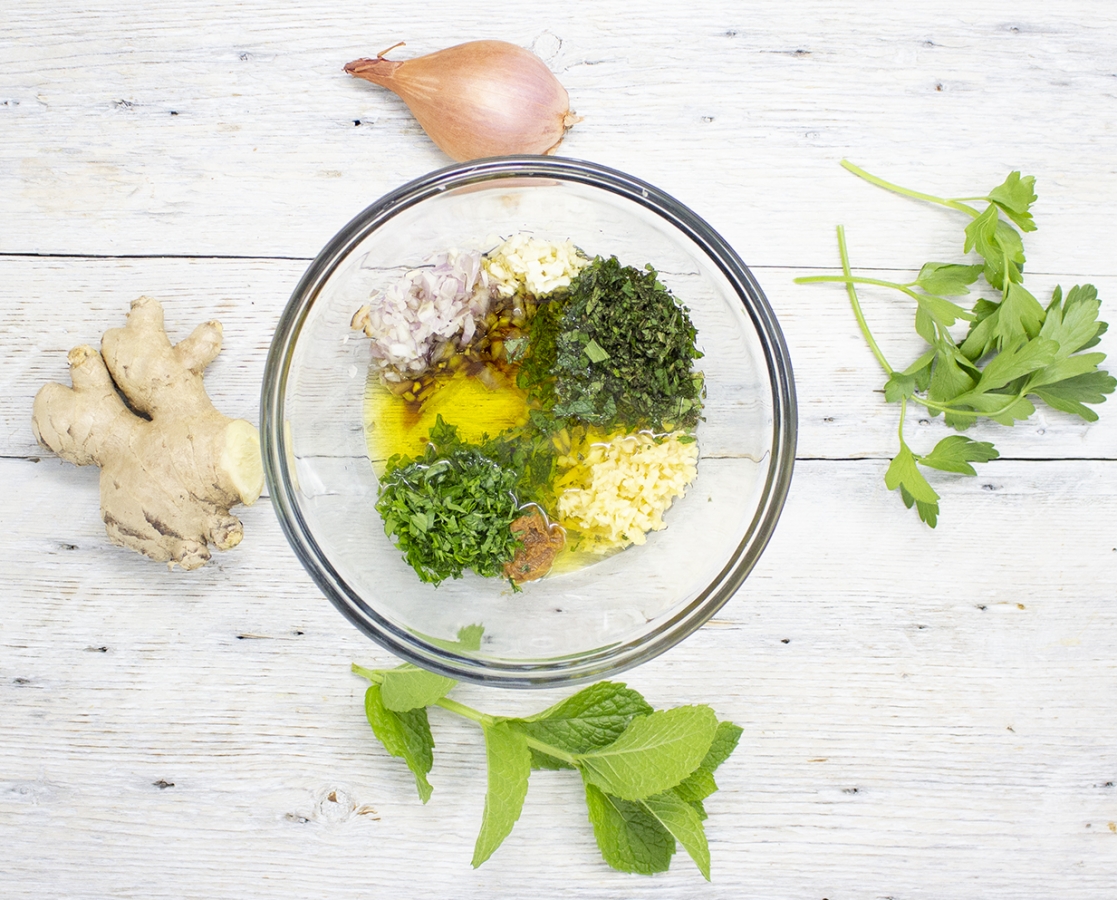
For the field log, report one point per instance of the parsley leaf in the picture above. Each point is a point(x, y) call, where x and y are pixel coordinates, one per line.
point(947, 279)
point(955, 453)
point(451, 512)
point(1070, 395)
point(1014, 350)
point(904, 474)
point(1015, 197)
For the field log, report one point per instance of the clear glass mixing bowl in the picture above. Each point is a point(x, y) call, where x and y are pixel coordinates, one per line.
point(570, 627)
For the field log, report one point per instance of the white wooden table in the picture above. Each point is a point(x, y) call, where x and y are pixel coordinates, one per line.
point(926, 714)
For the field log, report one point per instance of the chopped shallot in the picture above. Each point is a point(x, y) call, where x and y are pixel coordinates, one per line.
point(412, 321)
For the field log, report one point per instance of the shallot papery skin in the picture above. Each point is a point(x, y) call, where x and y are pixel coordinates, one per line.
point(478, 99)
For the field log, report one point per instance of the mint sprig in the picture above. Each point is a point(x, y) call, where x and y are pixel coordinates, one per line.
point(646, 773)
point(1014, 351)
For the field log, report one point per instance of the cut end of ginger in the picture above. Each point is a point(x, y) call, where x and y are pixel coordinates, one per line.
point(242, 461)
point(170, 473)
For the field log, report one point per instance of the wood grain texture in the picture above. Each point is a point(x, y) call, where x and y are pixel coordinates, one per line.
point(927, 714)
point(170, 735)
point(124, 126)
point(53, 305)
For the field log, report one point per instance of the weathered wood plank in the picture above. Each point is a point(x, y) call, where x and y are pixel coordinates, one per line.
point(914, 713)
point(51, 305)
point(927, 714)
point(232, 129)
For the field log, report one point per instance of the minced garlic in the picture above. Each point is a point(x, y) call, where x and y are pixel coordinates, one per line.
point(526, 263)
point(619, 489)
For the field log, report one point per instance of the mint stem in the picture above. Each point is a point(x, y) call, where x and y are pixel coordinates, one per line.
point(371, 674)
point(466, 712)
point(916, 195)
point(474, 715)
point(852, 291)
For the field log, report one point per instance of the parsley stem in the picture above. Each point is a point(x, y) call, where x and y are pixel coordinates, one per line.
point(856, 304)
point(858, 279)
point(896, 189)
point(955, 411)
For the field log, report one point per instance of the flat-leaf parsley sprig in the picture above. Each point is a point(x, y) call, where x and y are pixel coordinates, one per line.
point(646, 773)
point(1015, 349)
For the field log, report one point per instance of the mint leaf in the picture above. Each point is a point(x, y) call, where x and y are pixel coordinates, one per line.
point(956, 452)
point(682, 822)
point(697, 786)
point(409, 687)
point(509, 767)
point(540, 760)
point(630, 838)
point(595, 352)
point(592, 718)
point(1015, 197)
point(653, 753)
point(947, 279)
point(724, 743)
point(700, 783)
point(469, 636)
point(662, 761)
point(405, 735)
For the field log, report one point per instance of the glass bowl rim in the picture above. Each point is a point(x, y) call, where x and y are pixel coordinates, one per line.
point(435, 655)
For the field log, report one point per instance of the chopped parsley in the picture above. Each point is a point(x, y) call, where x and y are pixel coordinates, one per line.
point(449, 512)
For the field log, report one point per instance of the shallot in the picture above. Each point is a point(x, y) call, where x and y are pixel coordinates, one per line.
point(481, 98)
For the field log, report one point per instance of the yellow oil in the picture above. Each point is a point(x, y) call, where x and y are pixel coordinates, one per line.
point(477, 407)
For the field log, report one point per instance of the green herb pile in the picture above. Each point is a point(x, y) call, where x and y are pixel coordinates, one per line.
point(646, 773)
point(451, 509)
point(615, 350)
point(1015, 349)
point(620, 350)
point(451, 512)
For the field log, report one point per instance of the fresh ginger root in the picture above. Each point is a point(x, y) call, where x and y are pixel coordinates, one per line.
point(169, 474)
